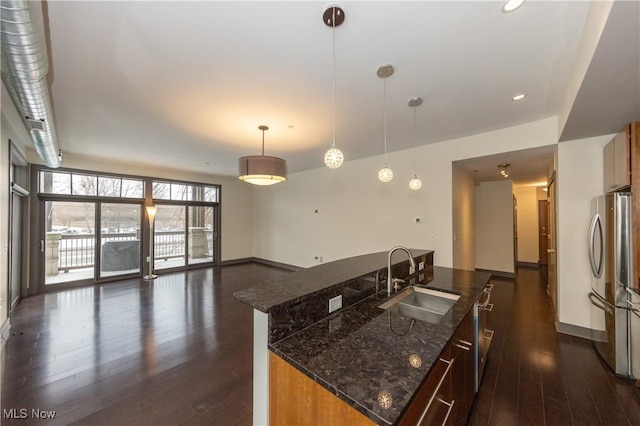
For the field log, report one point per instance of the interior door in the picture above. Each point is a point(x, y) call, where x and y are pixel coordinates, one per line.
point(552, 290)
point(515, 234)
point(16, 249)
point(543, 228)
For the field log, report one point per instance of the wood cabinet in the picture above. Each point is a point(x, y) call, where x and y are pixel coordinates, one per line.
point(617, 162)
point(295, 399)
point(432, 401)
point(463, 375)
point(448, 393)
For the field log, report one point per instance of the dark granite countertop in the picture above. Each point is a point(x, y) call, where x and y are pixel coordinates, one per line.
point(363, 354)
point(301, 284)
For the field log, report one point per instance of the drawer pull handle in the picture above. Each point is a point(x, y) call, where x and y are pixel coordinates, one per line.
point(488, 334)
point(635, 309)
point(488, 307)
point(466, 348)
point(435, 392)
point(450, 405)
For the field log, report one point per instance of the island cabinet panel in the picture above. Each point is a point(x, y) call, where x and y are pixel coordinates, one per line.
point(449, 390)
point(463, 372)
point(295, 399)
point(430, 406)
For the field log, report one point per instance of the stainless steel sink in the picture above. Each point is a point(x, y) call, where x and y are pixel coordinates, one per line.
point(422, 304)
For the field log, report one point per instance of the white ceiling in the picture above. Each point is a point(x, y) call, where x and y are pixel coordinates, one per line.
point(186, 84)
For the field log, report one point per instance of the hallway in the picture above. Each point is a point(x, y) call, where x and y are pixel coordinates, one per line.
point(535, 376)
point(179, 351)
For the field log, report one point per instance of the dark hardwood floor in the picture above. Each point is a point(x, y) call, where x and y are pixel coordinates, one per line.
point(178, 350)
point(535, 376)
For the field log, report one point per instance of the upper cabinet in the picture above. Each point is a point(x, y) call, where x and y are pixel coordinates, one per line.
point(617, 162)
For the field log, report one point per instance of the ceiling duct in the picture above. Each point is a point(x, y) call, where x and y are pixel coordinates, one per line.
point(24, 72)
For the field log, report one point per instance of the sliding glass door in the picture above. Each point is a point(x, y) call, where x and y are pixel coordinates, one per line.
point(78, 249)
point(169, 237)
point(119, 239)
point(69, 243)
point(201, 234)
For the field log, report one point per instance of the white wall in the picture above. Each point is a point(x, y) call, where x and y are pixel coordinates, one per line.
point(579, 179)
point(357, 214)
point(237, 198)
point(494, 226)
point(528, 249)
point(464, 241)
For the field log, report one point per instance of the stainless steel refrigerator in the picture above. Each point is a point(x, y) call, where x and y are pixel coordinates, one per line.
point(610, 257)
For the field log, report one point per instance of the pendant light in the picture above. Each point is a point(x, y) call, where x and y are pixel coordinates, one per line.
point(415, 183)
point(385, 174)
point(503, 169)
point(262, 169)
point(333, 17)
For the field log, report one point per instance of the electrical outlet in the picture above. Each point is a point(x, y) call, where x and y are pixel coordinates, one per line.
point(420, 266)
point(318, 259)
point(335, 303)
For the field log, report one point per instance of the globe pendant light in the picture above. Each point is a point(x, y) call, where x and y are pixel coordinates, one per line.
point(415, 183)
point(262, 169)
point(333, 17)
point(385, 174)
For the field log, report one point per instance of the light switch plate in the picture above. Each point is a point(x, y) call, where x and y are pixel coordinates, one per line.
point(420, 266)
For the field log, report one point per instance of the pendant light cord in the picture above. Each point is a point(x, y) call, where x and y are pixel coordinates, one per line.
point(415, 161)
point(263, 143)
point(333, 30)
point(384, 113)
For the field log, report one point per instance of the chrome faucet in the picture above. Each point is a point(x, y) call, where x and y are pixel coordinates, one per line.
point(390, 279)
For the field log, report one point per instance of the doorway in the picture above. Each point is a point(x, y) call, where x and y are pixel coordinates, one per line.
point(543, 230)
point(16, 274)
point(552, 289)
point(18, 178)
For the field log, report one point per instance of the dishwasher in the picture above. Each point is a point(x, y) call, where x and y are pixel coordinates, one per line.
point(482, 308)
point(634, 334)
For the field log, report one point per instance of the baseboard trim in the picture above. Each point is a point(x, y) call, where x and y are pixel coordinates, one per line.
point(533, 265)
point(260, 261)
point(573, 330)
point(277, 264)
point(236, 261)
point(500, 274)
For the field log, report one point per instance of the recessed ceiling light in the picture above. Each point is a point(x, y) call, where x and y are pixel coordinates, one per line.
point(519, 97)
point(511, 5)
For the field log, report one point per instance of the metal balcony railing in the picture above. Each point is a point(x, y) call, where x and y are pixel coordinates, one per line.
point(76, 251)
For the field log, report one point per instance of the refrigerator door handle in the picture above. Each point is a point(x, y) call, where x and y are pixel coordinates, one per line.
point(595, 223)
point(601, 303)
point(634, 308)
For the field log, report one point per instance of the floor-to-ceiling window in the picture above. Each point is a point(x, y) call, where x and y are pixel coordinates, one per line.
point(185, 227)
point(92, 227)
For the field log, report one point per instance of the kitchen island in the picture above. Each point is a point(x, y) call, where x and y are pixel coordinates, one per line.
point(371, 359)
